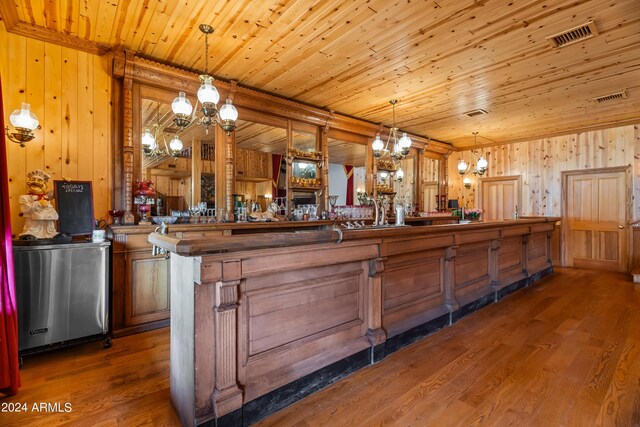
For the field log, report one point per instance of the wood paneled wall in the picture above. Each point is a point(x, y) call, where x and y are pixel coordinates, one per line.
point(70, 93)
point(541, 161)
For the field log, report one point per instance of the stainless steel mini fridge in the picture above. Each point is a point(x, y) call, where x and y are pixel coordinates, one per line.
point(62, 292)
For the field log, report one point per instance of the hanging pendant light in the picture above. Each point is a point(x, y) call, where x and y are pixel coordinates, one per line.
point(208, 97)
point(400, 145)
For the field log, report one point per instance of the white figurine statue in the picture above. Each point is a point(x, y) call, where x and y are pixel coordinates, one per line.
point(39, 214)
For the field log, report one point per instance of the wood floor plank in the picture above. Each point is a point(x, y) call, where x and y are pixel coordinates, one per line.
point(563, 352)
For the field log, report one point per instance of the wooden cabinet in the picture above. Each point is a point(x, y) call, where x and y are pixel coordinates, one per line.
point(141, 296)
point(140, 291)
point(148, 297)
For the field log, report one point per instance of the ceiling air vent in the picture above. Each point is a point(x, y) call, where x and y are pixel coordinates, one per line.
point(611, 96)
point(574, 35)
point(474, 113)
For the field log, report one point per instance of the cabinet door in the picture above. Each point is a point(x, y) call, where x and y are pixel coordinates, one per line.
point(148, 293)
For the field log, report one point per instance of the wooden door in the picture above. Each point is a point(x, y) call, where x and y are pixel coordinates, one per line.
point(595, 219)
point(430, 197)
point(499, 197)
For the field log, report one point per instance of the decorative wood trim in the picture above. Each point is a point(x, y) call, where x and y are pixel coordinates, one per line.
point(7, 11)
point(9, 15)
point(375, 334)
point(227, 396)
point(159, 75)
point(324, 148)
point(494, 264)
point(450, 279)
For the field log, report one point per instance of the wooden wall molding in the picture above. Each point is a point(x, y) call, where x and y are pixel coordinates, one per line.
point(15, 26)
point(160, 75)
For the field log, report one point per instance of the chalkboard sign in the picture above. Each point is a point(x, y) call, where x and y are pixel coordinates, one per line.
point(74, 204)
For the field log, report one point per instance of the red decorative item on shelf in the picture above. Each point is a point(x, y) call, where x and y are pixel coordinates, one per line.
point(144, 189)
point(144, 195)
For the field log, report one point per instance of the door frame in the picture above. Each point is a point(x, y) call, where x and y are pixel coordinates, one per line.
point(628, 202)
point(517, 178)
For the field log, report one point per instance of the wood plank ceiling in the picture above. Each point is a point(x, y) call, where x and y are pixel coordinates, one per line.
point(439, 58)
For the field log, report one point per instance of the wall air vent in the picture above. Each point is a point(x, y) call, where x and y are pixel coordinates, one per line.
point(573, 35)
point(474, 113)
point(611, 96)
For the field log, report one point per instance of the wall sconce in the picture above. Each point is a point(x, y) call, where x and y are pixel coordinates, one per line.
point(467, 182)
point(268, 196)
point(24, 123)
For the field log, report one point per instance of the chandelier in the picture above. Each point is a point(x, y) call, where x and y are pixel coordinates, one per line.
point(208, 97)
point(400, 146)
point(480, 165)
point(152, 137)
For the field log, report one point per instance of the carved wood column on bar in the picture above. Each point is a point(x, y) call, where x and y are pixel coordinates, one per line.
point(494, 264)
point(417, 186)
point(220, 169)
point(230, 168)
point(369, 181)
point(227, 395)
point(375, 334)
point(444, 180)
point(289, 162)
point(548, 248)
point(127, 142)
point(450, 279)
point(525, 245)
point(196, 171)
point(324, 147)
point(374, 175)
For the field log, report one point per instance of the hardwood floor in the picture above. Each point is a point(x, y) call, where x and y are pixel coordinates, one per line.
point(127, 384)
point(564, 352)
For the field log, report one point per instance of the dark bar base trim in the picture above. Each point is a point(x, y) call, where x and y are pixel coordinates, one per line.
point(395, 343)
point(263, 406)
point(476, 305)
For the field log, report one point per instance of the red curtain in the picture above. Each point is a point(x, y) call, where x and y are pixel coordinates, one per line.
point(9, 373)
point(348, 170)
point(276, 160)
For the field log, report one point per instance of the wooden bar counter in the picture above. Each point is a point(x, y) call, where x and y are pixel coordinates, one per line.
point(261, 320)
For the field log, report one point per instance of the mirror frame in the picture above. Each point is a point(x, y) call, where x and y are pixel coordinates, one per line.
point(132, 73)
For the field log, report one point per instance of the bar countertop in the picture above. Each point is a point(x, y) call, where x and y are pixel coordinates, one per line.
point(328, 231)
